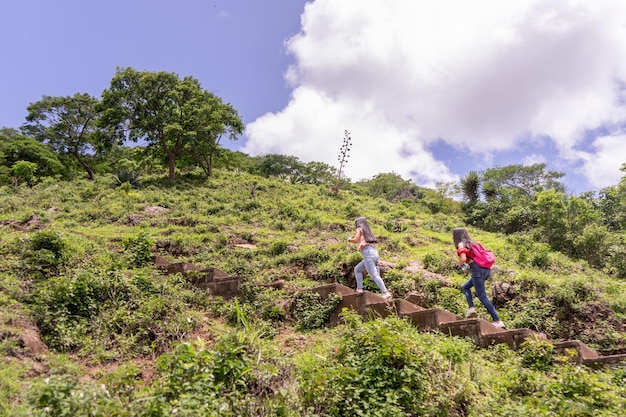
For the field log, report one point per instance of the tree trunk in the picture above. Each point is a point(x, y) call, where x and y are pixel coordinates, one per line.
point(90, 174)
point(172, 166)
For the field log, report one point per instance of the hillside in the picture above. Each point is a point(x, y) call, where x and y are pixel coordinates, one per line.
point(90, 325)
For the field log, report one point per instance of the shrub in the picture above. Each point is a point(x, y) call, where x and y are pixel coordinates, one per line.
point(46, 252)
point(375, 370)
point(440, 263)
point(278, 247)
point(537, 354)
point(311, 312)
point(138, 249)
point(127, 176)
point(62, 307)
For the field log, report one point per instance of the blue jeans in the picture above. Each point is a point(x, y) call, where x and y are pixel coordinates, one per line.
point(370, 257)
point(479, 276)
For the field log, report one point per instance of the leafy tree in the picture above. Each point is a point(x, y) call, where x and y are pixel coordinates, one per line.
point(68, 125)
point(173, 116)
point(25, 171)
point(580, 214)
point(318, 173)
point(282, 166)
point(552, 210)
point(392, 187)
point(523, 181)
point(223, 120)
point(612, 202)
point(234, 160)
point(17, 147)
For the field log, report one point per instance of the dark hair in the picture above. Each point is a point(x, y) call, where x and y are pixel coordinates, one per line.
point(360, 222)
point(459, 235)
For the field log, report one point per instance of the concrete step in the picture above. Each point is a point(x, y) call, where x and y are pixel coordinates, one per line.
point(582, 351)
point(482, 332)
point(514, 337)
point(607, 361)
point(430, 319)
point(472, 328)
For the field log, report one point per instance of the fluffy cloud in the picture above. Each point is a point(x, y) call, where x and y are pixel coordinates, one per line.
point(483, 77)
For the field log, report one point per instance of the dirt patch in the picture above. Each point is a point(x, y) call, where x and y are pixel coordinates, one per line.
point(30, 225)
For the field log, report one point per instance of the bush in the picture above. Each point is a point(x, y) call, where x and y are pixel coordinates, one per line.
point(311, 312)
point(127, 176)
point(139, 249)
point(373, 371)
point(46, 252)
point(440, 263)
point(537, 354)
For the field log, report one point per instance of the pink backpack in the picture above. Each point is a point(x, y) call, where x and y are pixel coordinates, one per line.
point(482, 256)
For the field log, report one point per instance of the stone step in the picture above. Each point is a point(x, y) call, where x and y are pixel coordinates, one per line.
point(607, 361)
point(472, 328)
point(430, 319)
point(482, 332)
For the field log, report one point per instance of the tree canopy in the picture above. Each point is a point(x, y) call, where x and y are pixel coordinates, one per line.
point(68, 125)
point(174, 116)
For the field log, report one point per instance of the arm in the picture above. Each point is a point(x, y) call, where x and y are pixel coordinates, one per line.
point(356, 237)
point(462, 252)
point(462, 259)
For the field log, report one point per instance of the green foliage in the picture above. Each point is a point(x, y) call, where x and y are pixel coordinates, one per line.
point(440, 263)
point(127, 176)
point(277, 247)
point(138, 249)
point(537, 354)
point(197, 380)
point(373, 371)
point(311, 311)
point(105, 304)
point(24, 171)
point(65, 396)
point(392, 188)
point(69, 126)
point(177, 117)
point(617, 257)
point(45, 253)
point(16, 148)
point(395, 226)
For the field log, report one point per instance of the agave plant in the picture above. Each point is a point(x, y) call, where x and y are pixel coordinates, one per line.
point(127, 175)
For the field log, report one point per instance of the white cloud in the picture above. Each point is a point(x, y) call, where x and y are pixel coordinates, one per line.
point(400, 75)
point(602, 167)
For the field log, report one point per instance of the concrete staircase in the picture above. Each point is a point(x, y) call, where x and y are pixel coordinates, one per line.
point(482, 332)
point(370, 305)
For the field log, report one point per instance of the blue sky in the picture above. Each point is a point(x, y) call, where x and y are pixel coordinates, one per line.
point(428, 90)
point(62, 47)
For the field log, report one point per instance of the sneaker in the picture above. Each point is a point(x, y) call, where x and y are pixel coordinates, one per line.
point(471, 312)
point(386, 295)
point(499, 324)
point(359, 291)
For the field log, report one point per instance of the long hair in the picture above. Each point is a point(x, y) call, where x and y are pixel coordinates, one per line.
point(367, 232)
point(459, 235)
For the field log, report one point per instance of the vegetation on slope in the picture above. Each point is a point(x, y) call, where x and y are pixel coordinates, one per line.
point(90, 326)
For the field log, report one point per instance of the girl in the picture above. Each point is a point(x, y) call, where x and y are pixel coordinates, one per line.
point(463, 243)
point(365, 241)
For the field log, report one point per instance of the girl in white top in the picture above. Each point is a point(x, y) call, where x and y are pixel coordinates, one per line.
point(365, 241)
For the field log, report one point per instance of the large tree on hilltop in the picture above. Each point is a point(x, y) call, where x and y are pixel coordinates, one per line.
point(220, 120)
point(68, 125)
point(522, 180)
point(173, 116)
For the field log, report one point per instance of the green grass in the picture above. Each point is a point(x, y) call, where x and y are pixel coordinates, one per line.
point(102, 309)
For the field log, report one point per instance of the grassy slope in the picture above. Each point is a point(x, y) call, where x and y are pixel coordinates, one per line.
point(300, 236)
